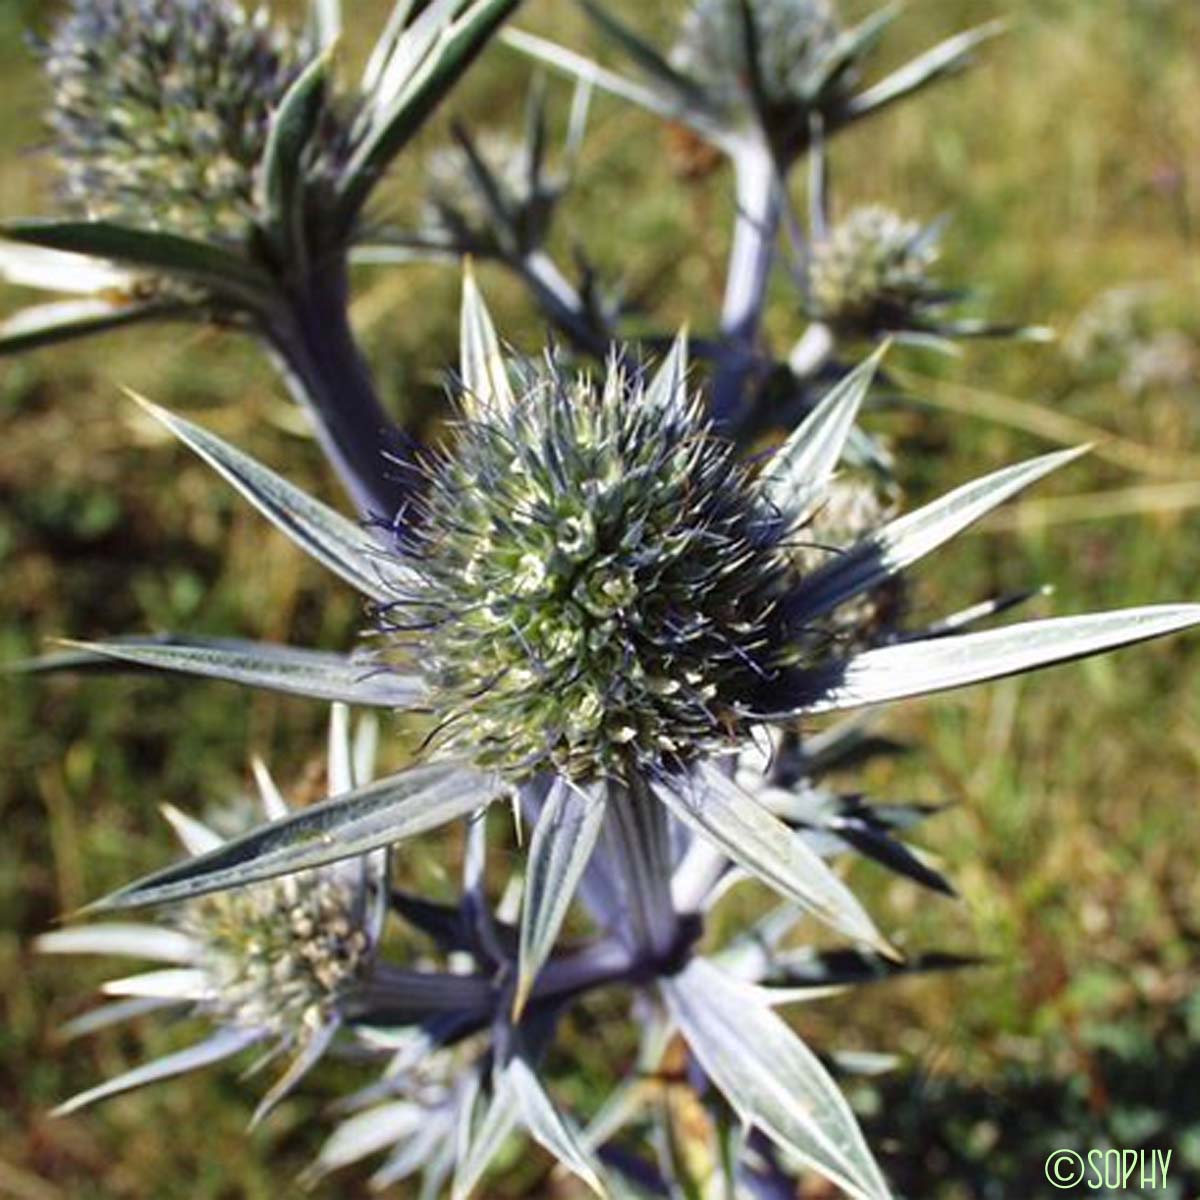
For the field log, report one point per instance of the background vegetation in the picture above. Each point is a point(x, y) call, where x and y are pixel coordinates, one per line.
point(1070, 160)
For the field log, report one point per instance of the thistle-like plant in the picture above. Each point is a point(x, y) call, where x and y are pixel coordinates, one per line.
point(598, 610)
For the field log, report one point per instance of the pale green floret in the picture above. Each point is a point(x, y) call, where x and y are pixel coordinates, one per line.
point(160, 111)
point(872, 273)
point(280, 955)
point(793, 38)
point(603, 581)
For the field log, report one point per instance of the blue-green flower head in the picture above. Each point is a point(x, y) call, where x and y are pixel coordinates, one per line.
point(602, 577)
point(874, 272)
point(793, 41)
point(160, 111)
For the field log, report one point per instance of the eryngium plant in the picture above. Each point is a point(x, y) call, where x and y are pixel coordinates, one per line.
point(598, 602)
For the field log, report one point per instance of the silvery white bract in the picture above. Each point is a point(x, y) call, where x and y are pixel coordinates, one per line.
point(274, 966)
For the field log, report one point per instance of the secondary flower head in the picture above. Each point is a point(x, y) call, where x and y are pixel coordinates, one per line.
point(600, 578)
point(272, 965)
point(160, 111)
point(872, 273)
point(792, 41)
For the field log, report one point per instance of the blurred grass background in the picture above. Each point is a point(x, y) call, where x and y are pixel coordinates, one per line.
point(1070, 159)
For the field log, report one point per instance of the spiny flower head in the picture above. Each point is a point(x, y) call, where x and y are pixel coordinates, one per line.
point(601, 578)
point(160, 111)
point(282, 954)
point(793, 37)
point(872, 272)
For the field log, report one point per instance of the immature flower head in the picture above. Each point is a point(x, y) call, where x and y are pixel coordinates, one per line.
point(872, 273)
point(792, 39)
point(852, 510)
point(270, 965)
point(601, 575)
point(160, 111)
point(281, 955)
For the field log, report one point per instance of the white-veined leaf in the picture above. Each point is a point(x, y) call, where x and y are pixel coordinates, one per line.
point(563, 840)
point(391, 810)
point(369, 1132)
point(911, 537)
point(58, 271)
point(150, 942)
point(669, 382)
point(293, 125)
point(795, 477)
point(480, 1142)
point(548, 1126)
point(773, 1081)
point(943, 59)
point(484, 374)
point(321, 532)
point(324, 22)
point(918, 668)
point(575, 66)
point(65, 320)
point(222, 1045)
point(310, 673)
point(423, 90)
point(202, 262)
point(712, 804)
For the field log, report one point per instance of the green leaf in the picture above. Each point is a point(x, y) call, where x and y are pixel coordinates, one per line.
point(563, 840)
point(65, 320)
point(772, 1080)
point(222, 271)
point(918, 668)
point(293, 125)
point(368, 818)
point(794, 479)
point(309, 673)
point(333, 540)
point(946, 58)
point(393, 129)
point(903, 541)
point(484, 373)
point(720, 811)
point(385, 45)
